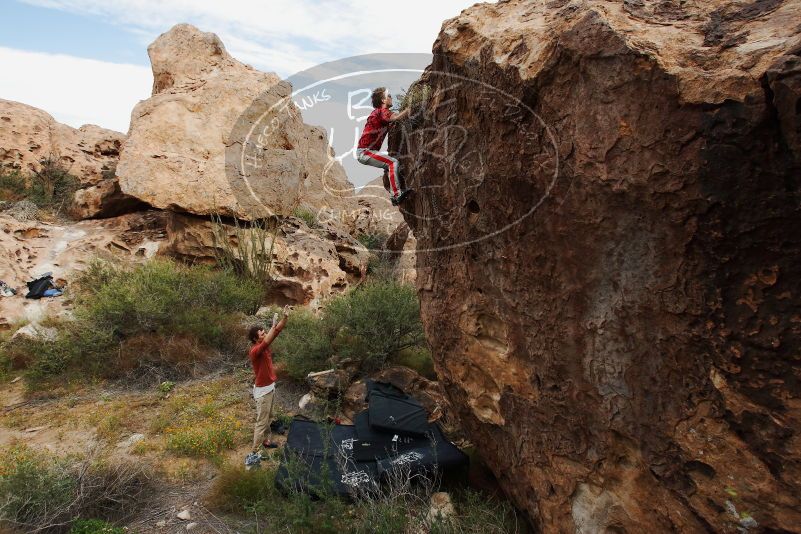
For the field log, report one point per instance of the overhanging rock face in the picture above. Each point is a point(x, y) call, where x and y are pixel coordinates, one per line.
point(607, 216)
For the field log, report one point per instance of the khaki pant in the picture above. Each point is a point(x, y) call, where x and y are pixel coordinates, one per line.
point(264, 412)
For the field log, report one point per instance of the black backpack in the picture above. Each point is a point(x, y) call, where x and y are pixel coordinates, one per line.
point(36, 288)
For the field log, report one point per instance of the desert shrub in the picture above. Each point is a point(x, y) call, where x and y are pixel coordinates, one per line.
point(205, 439)
point(304, 345)
point(163, 297)
point(95, 526)
point(31, 486)
point(245, 248)
point(372, 241)
point(415, 97)
point(51, 186)
point(307, 216)
point(79, 349)
point(160, 319)
point(41, 492)
point(380, 267)
point(236, 490)
point(13, 186)
point(374, 322)
point(419, 359)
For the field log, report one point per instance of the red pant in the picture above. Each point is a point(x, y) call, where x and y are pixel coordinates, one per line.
point(370, 157)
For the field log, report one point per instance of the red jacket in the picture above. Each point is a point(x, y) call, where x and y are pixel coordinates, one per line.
point(375, 130)
point(261, 357)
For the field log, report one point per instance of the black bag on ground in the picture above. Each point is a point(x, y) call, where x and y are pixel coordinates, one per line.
point(36, 288)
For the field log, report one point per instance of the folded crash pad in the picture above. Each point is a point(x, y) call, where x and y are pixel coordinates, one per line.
point(371, 444)
point(319, 459)
point(391, 413)
point(385, 388)
point(318, 475)
point(436, 454)
point(316, 439)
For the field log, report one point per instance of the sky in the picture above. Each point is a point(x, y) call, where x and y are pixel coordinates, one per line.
point(85, 61)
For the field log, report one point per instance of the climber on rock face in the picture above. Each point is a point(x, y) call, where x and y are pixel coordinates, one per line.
point(375, 130)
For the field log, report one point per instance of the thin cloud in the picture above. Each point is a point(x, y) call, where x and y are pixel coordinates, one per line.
point(283, 35)
point(74, 90)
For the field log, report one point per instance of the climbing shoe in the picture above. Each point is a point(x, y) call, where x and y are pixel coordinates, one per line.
point(403, 194)
point(253, 460)
point(269, 444)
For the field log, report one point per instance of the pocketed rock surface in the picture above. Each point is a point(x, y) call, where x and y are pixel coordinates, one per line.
point(607, 257)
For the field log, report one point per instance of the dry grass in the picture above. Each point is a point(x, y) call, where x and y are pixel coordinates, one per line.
point(41, 493)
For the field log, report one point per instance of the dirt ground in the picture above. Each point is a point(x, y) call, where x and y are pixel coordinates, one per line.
point(129, 425)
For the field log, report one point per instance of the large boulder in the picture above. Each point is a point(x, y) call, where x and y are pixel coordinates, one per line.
point(607, 193)
point(190, 148)
point(28, 135)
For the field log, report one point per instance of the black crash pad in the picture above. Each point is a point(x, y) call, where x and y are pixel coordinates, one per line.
point(390, 413)
point(371, 444)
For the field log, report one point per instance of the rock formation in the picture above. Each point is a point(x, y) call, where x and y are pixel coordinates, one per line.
point(28, 135)
point(377, 215)
point(210, 124)
point(30, 248)
point(308, 264)
point(607, 197)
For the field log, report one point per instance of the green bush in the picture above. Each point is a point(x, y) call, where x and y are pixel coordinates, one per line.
point(304, 345)
point(160, 315)
point(95, 526)
point(415, 97)
point(374, 322)
point(374, 241)
point(52, 185)
point(236, 490)
point(79, 349)
point(307, 216)
point(31, 486)
point(12, 184)
point(167, 298)
point(39, 492)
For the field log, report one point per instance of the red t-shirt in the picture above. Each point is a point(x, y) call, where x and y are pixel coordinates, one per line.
point(375, 130)
point(261, 357)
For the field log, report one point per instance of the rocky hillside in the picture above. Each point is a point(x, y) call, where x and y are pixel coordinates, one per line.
point(29, 135)
point(177, 159)
point(605, 200)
